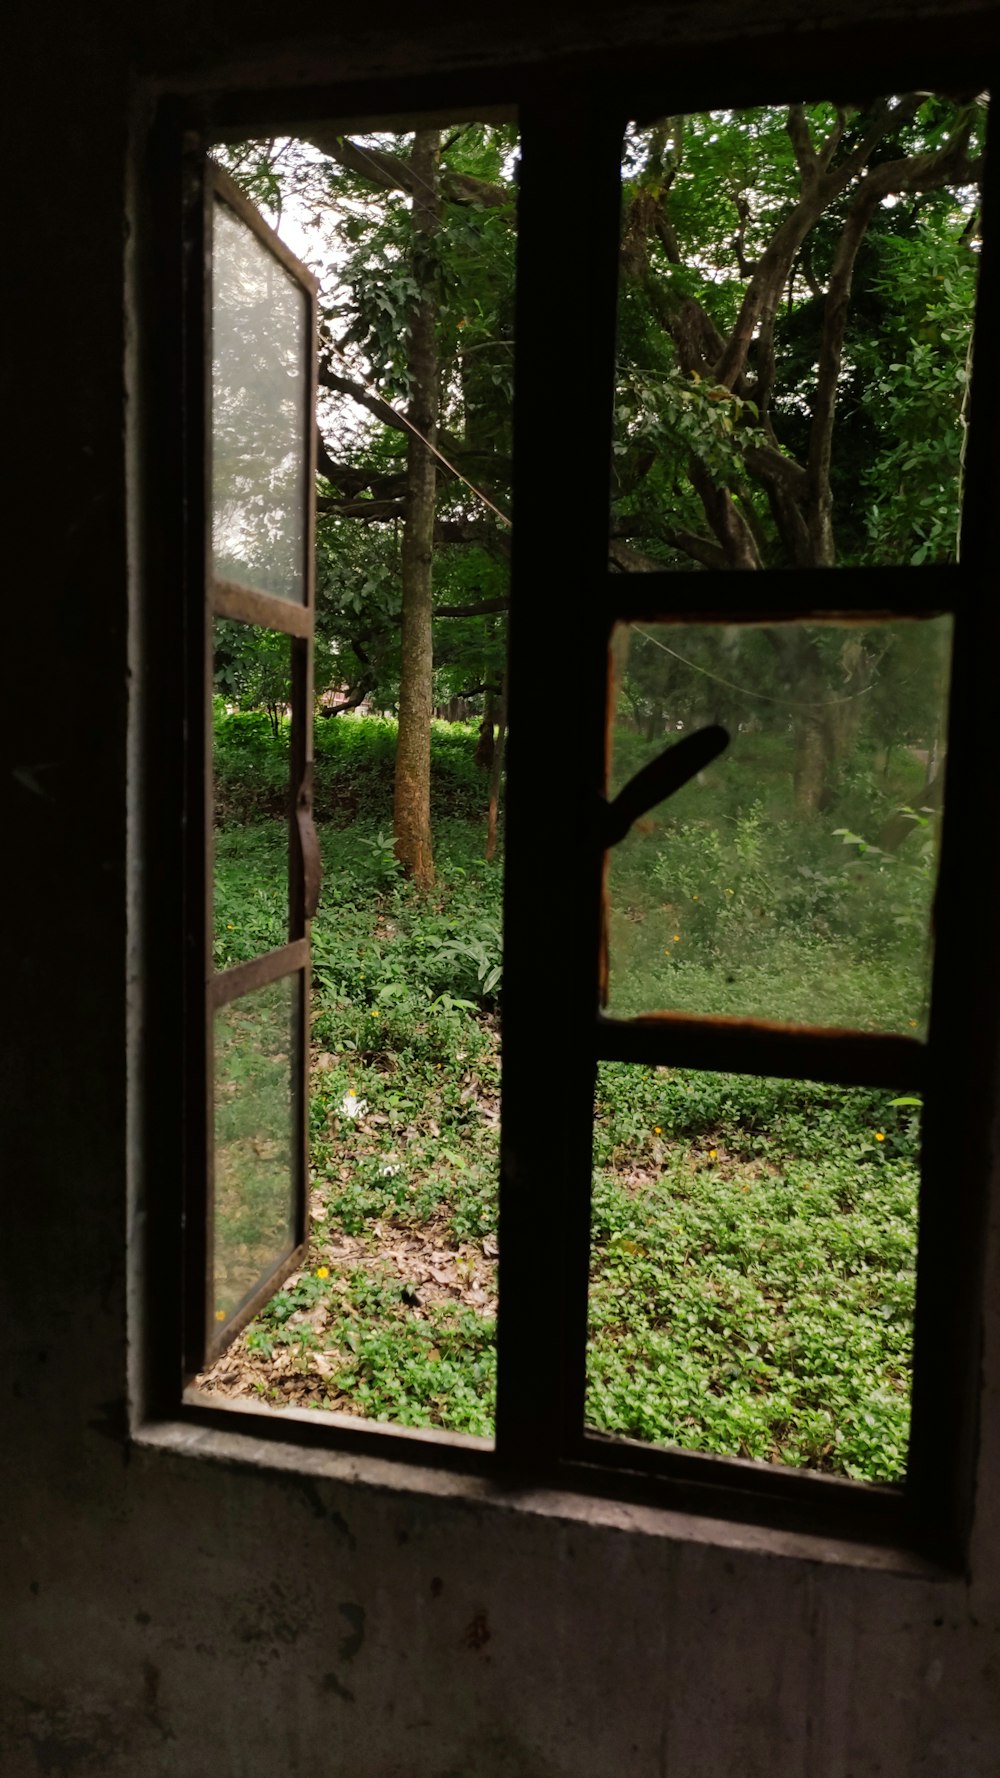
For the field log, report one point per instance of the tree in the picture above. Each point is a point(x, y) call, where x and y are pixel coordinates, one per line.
point(795, 325)
point(412, 794)
point(794, 338)
point(741, 244)
point(406, 281)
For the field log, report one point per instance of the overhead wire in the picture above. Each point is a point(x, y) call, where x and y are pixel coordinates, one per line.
point(745, 691)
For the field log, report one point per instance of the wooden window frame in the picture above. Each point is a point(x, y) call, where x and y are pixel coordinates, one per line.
point(553, 1032)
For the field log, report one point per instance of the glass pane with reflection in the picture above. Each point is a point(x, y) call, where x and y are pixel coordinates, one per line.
point(797, 290)
point(256, 1164)
point(753, 1268)
point(251, 769)
point(260, 345)
point(793, 879)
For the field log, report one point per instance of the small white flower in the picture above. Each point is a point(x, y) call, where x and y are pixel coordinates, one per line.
point(389, 1171)
point(351, 1106)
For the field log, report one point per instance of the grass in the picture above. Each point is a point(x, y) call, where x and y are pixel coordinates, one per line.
point(753, 1241)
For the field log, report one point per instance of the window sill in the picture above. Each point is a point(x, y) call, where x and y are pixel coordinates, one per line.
point(457, 1471)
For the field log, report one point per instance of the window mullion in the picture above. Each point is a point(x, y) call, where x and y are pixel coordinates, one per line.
point(566, 302)
point(964, 1034)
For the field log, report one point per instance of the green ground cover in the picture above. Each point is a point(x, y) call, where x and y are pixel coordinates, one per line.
point(752, 1274)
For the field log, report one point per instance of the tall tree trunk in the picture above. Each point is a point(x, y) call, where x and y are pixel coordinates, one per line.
point(485, 744)
point(812, 764)
point(496, 772)
point(412, 798)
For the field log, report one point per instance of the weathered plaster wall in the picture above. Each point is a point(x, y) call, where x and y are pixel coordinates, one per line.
point(169, 1613)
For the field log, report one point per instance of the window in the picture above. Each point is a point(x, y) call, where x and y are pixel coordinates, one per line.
point(555, 1034)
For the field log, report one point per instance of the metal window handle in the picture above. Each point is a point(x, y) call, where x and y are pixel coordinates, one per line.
point(665, 774)
point(312, 863)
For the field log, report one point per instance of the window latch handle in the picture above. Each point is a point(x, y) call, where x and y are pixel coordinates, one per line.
point(660, 779)
point(312, 863)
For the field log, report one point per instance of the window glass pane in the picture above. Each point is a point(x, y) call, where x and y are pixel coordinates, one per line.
point(393, 1314)
point(752, 1269)
point(255, 1163)
point(259, 419)
point(793, 878)
point(251, 743)
point(795, 334)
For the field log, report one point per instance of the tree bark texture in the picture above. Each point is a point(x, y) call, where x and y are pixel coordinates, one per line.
point(412, 796)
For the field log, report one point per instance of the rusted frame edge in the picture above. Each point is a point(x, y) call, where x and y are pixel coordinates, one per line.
point(259, 972)
point(964, 1033)
point(216, 1343)
point(742, 1491)
point(249, 605)
point(197, 520)
point(301, 760)
point(765, 1047)
point(229, 192)
point(265, 610)
point(855, 595)
point(289, 961)
point(420, 1446)
point(711, 1469)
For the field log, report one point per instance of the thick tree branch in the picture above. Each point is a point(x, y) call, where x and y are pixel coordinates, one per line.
point(371, 511)
point(391, 172)
point(352, 479)
point(484, 608)
point(690, 543)
point(725, 518)
point(797, 127)
point(358, 696)
point(827, 149)
point(631, 561)
point(819, 189)
point(328, 379)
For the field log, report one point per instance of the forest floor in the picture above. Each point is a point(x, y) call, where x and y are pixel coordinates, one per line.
point(753, 1240)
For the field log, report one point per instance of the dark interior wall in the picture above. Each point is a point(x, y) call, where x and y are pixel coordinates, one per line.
point(185, 1611)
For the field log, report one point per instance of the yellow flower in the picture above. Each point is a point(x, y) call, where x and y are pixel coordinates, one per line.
point(374, 1012)
point(657, 1130)
point(229, 926)
point(694, 898)
point(880, 1135)
point(677, 938)
point(220, 1314)
point(322, 1271)
point(713, 1154)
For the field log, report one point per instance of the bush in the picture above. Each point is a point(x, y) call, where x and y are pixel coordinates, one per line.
point(353, 774)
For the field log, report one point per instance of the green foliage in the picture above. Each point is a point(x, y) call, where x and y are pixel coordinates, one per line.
point(916, 389)
point(752, 1283)
point(706, 198)
point(355, 763)
point(753, 1240)
point(729, 901)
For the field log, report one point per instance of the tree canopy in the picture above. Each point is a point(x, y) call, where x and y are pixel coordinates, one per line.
point(794, 351)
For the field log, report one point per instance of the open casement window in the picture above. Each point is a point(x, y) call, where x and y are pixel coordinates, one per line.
point(246, 1215)
point(567, 605)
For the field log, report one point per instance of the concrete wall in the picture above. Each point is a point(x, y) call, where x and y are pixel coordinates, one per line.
point(184, 1608)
